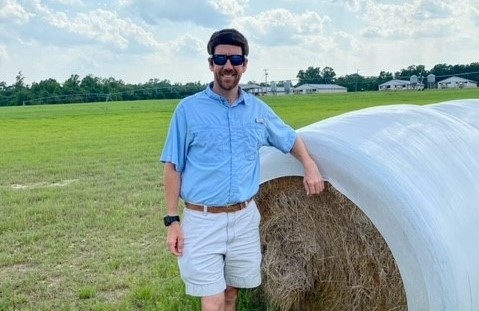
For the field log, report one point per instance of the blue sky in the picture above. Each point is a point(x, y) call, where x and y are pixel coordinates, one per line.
point(140, 40)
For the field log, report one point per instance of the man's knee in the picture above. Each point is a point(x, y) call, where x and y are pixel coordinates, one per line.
point(231, 295)
point(213, 303)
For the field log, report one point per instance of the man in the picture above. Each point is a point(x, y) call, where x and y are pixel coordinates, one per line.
point(211, 161)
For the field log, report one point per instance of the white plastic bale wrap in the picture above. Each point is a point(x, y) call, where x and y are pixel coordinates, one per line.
point(414, 171)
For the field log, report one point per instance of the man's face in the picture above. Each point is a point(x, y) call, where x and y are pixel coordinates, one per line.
point(227, 76)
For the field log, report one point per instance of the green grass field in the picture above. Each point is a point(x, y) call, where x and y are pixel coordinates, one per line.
point(81, 200)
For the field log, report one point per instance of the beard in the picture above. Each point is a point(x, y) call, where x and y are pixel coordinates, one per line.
point(227, 83)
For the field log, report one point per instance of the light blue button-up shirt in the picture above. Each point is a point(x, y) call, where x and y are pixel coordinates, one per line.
point(216, 146)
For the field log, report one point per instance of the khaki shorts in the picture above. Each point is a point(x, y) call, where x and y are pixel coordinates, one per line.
point(220, 250)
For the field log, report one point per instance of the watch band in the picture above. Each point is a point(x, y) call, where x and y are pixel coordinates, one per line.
point(168, 220)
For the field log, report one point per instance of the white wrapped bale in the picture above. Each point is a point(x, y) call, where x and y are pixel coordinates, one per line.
point(414, 171)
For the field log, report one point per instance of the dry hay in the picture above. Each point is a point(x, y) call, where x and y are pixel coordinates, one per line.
point(323, 252)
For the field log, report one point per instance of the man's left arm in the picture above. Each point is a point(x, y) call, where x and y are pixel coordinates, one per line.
point(313, 180)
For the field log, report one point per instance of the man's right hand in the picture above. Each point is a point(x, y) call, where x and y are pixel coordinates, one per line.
point(175, 239)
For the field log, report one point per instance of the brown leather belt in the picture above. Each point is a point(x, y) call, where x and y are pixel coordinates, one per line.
point(219, 209)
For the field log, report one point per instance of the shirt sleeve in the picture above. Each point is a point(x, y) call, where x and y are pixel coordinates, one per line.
point(279, 134)
point(175, 148)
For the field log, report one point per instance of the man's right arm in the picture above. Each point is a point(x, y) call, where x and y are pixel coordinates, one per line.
point(172, 184)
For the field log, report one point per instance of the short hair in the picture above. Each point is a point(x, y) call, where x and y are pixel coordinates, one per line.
point(228, 36)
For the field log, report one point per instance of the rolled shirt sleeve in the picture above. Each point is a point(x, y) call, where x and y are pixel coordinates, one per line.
point(176, 144)
point(280, 135)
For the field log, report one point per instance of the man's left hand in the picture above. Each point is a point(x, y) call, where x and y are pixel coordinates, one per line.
point(313, 180)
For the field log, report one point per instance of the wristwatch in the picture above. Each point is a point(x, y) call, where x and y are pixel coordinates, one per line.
point(171, 219)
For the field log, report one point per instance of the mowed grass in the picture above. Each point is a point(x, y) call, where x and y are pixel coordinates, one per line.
point(81, 200)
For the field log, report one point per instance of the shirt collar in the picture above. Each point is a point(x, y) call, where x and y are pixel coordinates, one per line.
point(211, 94)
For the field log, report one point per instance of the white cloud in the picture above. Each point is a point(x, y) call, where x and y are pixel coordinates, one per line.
point(10, 10)
point(187, 45)
point(107, 27)
point(352, 5)
point(138, 40)
point(125, 2)
point(417, 19)
point(3, 54)
point(196, 12)
point(68, 2)
point(348, 42)
point(58, 19)
point(97, 26)
point(230, 7)
point(282, 27)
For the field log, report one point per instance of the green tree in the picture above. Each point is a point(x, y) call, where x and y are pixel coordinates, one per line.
point(91, 85)
point(51, 86)
point(72, 84)
point(113, 86)
point(355, 82)
point(6, 94)
point(385, 77)
point(405, 74)
point(48, 91)
point(19, 81)
point(22, 94)
point(329, 75)
point(441, 70)
point(473, 71)
point(72, 90)
point(312, 75)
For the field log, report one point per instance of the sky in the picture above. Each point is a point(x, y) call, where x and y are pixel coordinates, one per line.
point(135, 41)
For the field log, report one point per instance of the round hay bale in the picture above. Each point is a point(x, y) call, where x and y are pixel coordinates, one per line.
point(323, 253)
point(413, 170)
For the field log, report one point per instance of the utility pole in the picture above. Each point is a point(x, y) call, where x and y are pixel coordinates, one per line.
point(266, 76)
point(357, 76)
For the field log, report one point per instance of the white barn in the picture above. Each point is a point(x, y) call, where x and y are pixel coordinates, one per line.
point(278, 90)
point(456, 82)
point(396, 85)
point(319, 88)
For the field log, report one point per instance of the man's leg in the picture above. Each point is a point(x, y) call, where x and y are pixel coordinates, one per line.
point(231, 298)
point(202, 263)
point(225, 301)
point(213, 303)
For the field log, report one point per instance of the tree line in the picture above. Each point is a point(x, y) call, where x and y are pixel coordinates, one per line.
point(90, 89)
point(94, 89)
point(356, 82)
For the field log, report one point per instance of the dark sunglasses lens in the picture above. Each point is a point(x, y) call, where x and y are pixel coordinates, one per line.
point(235, 60)
point(220, 59)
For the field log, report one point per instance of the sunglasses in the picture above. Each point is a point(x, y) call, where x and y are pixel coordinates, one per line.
point(235, 60)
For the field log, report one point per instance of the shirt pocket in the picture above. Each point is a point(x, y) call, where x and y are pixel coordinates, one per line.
point(254, 138)
point(211, 144)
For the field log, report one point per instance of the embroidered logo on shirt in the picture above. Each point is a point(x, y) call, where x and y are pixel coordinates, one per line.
point(260, 120)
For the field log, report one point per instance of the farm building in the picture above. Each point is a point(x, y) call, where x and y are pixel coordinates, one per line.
point(278, 90)
point(400, 85)
point(274, 89)
point(456, 82)
point(259, 90)
point(319, 88)
point(253, 89)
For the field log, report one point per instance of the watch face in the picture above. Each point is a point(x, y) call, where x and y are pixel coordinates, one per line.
point(168, 220)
